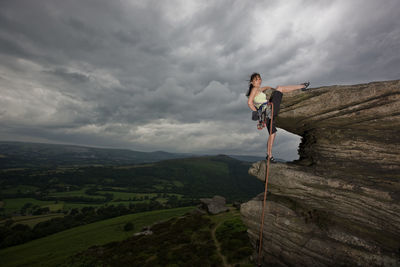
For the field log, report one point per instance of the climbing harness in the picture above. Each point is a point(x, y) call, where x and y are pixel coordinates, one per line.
point(266, 186)
point(262, 114)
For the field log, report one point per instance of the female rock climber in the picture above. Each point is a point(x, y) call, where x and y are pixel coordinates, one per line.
point(258, 99)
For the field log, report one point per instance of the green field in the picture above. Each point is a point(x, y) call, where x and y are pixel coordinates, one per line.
point(76, 193)
point(24, 189)
point(69, 205)
point(55, 207)
point(12, 205)
point(31, 221)
point(128, 195)
point(53, 250)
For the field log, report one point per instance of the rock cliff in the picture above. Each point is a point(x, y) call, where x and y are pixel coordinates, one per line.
point(338, 205)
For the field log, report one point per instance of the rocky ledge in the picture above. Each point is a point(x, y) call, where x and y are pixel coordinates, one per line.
point(338, 205)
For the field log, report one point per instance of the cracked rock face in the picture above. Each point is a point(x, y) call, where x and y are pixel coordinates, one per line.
point(339, 204)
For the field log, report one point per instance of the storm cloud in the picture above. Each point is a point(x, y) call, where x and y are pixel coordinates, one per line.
point(171, 75)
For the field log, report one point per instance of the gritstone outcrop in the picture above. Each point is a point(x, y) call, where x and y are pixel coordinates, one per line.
point(338, 205)
point(214, 205)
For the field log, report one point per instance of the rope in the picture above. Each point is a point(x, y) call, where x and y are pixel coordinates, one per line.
point(266, 185)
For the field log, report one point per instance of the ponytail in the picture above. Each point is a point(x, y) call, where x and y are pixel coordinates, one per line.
point(252, 77)
point(249, 91)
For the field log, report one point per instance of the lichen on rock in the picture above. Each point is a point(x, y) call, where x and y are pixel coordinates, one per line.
point(339, 203)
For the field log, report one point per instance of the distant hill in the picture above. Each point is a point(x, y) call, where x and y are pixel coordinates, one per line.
point(20, 154)
point(246, 158)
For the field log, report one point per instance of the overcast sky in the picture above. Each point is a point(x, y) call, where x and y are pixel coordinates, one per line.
point(171, 75)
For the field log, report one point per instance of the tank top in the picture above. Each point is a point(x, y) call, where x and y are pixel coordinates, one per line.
point(260, 99)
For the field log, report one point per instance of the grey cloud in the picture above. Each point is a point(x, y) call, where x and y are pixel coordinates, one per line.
point(128, 37)
point(9, 47)
point(121, 71)
point(69, 76)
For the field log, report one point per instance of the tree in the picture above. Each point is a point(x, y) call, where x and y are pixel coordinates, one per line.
point(128, 226)
point(8, 223)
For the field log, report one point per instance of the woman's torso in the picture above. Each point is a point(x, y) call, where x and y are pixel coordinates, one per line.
point(261, 97)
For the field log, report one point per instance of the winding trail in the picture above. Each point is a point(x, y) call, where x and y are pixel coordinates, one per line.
point(218, 245)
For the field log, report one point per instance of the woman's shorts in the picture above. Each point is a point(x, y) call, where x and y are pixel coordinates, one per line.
point(276, 99)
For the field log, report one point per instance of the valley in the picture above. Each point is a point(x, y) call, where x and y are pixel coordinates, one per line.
point(50, 212)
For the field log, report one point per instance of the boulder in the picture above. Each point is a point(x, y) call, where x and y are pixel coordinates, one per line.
point(214, 205)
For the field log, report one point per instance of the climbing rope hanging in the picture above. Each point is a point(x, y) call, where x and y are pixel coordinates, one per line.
point(266, 185)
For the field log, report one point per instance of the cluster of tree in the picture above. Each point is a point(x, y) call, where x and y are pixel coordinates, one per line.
point(27, 209)
point(17, 234)
point(93, 191)
point(31, 209)
point(75, 199)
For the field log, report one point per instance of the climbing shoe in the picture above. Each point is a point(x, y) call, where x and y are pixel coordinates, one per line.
point(271, 159)
point(306, 85)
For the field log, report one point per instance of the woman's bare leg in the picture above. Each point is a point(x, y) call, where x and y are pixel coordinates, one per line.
point(271, 139)
point(289, 88)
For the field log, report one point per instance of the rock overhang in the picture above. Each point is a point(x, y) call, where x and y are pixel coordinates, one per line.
point(346, 183)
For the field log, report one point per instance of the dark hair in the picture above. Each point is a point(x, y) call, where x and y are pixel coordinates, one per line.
point(252, 77)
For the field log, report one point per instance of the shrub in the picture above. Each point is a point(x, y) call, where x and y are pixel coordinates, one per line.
point(128, 226)
point(234, 240)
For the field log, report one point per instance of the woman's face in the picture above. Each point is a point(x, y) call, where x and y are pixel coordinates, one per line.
point(256, 81)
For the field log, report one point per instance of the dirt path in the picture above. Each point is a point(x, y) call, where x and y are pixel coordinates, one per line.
point(218, 245)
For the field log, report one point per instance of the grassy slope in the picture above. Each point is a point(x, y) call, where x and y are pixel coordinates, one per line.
point(193, 240)
point(54, 249)
point(15, 204)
